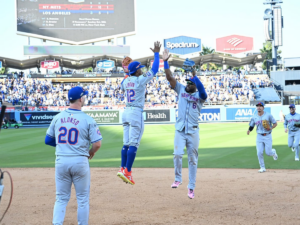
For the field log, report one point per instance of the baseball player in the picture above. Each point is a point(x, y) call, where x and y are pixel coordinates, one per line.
point(292, 124)
point(187, 124)
point(71, 132)
point(265, 123)
point(132, 118)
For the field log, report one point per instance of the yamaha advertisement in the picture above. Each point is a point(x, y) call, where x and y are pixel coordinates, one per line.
point(75, 21)
point(159, 115)
point(183, 45)
point(37, 118)
point(242, 114)
point(207, 115)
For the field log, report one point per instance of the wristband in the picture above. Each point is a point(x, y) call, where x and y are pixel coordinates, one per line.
point(166, 65)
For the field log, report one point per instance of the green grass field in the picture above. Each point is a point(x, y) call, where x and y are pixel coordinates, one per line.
point(222, 145)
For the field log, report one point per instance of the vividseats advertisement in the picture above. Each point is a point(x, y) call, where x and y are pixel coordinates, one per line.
point(37, 118)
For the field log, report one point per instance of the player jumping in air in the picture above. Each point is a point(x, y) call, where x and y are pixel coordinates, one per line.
point(265, 123)
point(187, 124)
point(292, 125)
point(132, 118)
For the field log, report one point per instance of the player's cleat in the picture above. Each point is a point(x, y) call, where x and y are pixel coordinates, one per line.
point(121, 175)
point(191, 193)
point(262, 170)
point(175, 184)
point(293, 149)
point(275, 156)
point(296, 159)
point(128, 177)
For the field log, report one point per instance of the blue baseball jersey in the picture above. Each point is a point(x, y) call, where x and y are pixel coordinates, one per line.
point(134, 89)
point(189, 107)
point(73, 131)
point(290, 120)
point(257, 120)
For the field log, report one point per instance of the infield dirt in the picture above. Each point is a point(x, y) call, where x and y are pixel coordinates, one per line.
point(222, 196)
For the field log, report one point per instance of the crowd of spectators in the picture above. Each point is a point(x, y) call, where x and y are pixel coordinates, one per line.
point(41, 92)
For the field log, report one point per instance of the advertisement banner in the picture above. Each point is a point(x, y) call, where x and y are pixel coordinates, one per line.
point(234, 44)
point(37, 118)
point(105, 116)
point(183, 45)
point(87, 75)
point(156, 115)
point(161, 63)
point(105, 64)
point(242, 114)
point(208, 114)
point(0, 64)
point(50, 64)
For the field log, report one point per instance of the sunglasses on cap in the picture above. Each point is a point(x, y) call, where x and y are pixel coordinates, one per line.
point(190, 83)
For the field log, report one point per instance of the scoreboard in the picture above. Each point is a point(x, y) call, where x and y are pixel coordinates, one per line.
point(76, 21)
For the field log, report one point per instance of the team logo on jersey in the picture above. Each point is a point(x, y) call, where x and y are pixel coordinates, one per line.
point(98, 132)
point(27, 116)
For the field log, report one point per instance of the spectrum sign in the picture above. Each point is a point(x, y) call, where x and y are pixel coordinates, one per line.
point(234, 44)
point(183, 45)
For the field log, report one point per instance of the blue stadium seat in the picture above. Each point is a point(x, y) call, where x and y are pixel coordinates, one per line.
point(266, 94)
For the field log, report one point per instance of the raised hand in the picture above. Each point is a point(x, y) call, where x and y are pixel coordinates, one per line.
point(166, 55)
point(157, 46)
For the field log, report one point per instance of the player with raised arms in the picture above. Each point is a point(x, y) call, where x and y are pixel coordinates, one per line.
point(292, 125)
point(134, 88)
point(265, 123)
point(71, 132)
point(187, 124)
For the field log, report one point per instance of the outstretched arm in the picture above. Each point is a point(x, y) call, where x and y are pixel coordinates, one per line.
point(156, 50)
point(169, 76)
point(200, 87)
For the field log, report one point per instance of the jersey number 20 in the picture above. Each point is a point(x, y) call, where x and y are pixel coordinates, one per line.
point(130, 95)
point(72, 136)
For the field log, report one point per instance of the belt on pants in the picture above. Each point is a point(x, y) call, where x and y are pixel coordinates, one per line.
point(265, 134)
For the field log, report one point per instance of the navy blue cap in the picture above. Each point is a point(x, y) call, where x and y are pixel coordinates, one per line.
point(260, 104)
point(292, 106)
point(76, 93)
point(134, 66)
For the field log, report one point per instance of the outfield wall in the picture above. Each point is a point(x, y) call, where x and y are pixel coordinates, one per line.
point(208, 114)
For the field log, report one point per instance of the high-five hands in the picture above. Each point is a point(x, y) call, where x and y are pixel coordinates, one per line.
point(166, 55)
point(157, 46)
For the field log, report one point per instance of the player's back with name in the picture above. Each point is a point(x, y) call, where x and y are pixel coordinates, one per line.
point(74, 131)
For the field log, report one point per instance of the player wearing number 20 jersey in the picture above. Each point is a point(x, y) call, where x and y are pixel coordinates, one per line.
point(133, 122)
point(72, 132)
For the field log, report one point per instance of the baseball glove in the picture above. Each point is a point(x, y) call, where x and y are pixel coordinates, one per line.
point(266, 124)
point(125, 63)
point(297, 124)
point(188, 65)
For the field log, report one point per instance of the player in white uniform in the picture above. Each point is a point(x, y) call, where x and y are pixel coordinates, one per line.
point(187, 124)
point(290, 124)
point(264, 136)
point(72, 132)
point(132, 118)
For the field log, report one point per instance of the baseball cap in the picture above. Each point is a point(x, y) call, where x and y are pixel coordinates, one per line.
point(292, 106)
point(76, 93)
point(134, 66)
point(190, 81)
point(260, 104)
